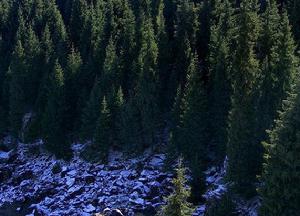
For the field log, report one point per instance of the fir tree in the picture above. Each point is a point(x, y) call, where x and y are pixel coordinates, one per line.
point(130, 124)
point(278, 69)
point(17, 99)
point(116, 107)
point(91, 112)
point(102, 137)
point(32, 53)
point(177, 204)
point(147, 83)
point(242, 169)
point(220, 66)
point(293, 8)
point(127, 50)
point(164, 59)
point(223, 206)
point(72, 72)
point(280, 192)
point(193, 135)
point(53, 118)
point(110, 76)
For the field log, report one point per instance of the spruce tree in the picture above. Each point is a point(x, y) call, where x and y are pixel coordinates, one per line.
point(127, 50)
point(280, 192)
point(110, 76)
point(53, 123)
point(278, 68)
point(17, 100)
point(293, 8)
point(177, 204)
point(72, 71)
point(91, 112)
point(33, 74)
point(116, 106)
point(242, 169)
point(193, 136)
point(187, 26)
point(146, 92)
point(130, 124)
point(220, 66)
point(102, 136)
point(164, 59)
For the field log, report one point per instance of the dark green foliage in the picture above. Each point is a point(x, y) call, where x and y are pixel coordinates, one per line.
point(242, 169)
point(293, 9)
point(189, 135)
point(146, 92)
point(56, 168)
point(90, 113)
point(231, 63)
point(16, 91)
point(102, 136)
point(116, 107)
point(280, 192)
point(130, 124)
point(222, 207)
point(220, 68)
point(99, 149)
point(72, 72)
point(177, 204)
point(279, 67)
point(53, 118)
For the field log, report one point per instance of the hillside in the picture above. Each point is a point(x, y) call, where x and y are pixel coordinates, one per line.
point(208, 88)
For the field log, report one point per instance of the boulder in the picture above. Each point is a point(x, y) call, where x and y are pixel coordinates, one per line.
point(154, 189)
point(25, 175)
point(6, 157)
point(111, 212)
point(116, 212)
point(157, 160)
point(5, 174)
point(89, 179)
point(75, 191)
point(70, 181)
point(89, 208)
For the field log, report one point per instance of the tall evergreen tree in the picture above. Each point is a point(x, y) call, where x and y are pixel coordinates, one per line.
point(32, 53)
point(220, 66)
point(54, 116)
point(242, 169)
point(110, 72)
point(187, 26)
point(147, 83)
point(280, 192)
point(177, 204)
point(293, 8)
point(164, 59)
point(72, 71)
point(90, 112)
point(127, 50)
point(103, 134)
point(116, 106)
point(278, 68)
point(193, 136)
point(17, 100)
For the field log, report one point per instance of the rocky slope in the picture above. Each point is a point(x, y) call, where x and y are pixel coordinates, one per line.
point(131, 185)
point(38, 185)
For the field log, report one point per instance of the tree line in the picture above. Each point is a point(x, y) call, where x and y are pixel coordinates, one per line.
point(220, 76)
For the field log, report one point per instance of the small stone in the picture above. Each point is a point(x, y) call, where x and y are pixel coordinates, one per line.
point(72, 173)
point(90, 208)
point(70, 181)
point(89, 179)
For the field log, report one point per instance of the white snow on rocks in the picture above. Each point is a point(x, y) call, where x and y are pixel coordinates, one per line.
point(129, 186)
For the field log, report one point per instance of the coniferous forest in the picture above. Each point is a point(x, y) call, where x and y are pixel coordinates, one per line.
point(204, 80)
